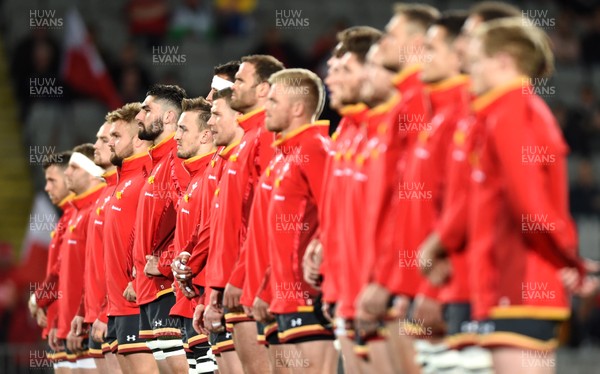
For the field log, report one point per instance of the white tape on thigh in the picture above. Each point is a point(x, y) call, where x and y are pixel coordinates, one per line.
point(86, 363)
point(476, 358)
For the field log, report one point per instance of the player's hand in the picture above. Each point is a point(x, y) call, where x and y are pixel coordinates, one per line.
point(430, 251)
point(325, 308)
point(33, 308)
point(198, 320)
point(99, 329)
point(261, 310)
point(151, 268)
point(311, 262)
point(373, 300)
point(187, 289)
point(40, 317)
point(429, 314)
point(583, 287)
point(213, 319)
point(53, 341)
point(248, 310)
point(181, 271)
point(232, 296)
point(129, 293)
point(77, 325)
point(74, 343)
point(441, 272)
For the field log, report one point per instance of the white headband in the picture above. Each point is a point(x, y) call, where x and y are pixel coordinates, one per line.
point(86, 164)
point(219, 83)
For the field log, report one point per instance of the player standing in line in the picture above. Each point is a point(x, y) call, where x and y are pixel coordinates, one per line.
point(155, 227)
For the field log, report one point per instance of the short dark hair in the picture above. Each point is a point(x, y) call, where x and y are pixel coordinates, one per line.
point(86, 149)
point(170, 93)
point(419, 15)
point(199, 105)
point(490, 10)
point(60, 159)
point(264, 65)
point(452, 21)
point(357, 40)
point(225, 93)
point(227, 69)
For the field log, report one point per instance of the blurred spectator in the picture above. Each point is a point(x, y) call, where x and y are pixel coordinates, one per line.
point(131, 78)
point(284, 50)
point(564, 40)
point(590, 42)
point(36, 56)
point(193, 17)
point(576, 122)
point(585, 192)
point(148, 20)
point(233, 16)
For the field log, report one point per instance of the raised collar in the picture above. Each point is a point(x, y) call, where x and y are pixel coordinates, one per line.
point(110, 177)
point(160, 150)
point(252, 119)
point(192, 165)
point(226, 152)
point(447, 90)
point(407, 76)
point(321, 126)
point(64, 203)
point(484, 101)
point(134, 163)
point(87, 197)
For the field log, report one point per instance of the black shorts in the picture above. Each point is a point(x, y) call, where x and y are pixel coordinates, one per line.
point(127, 334)
point(524, 333)
point(234, 316)
point(189, 336)
point(110, 340)
point(95, 348)
point(155, 321)
point(74, 356)
point(459, 325)
point(267, 333)
point(308, 324)
point(221, 342)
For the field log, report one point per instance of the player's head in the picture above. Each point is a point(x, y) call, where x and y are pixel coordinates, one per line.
point(479, 13)
point(443, 61)
point(402, 43)
point(54, 170)
point(332, 80)
point(123, 132)
point(296, 96)
point(192, 128)
point(358, 41)
point(222, 121)
point(101, 148)
point(82, 171)
point(378, 83)
point(504, 49)
point(222, 74)
point(251, 85)
point(161, 107)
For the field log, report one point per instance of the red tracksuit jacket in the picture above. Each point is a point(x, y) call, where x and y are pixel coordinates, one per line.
point(94, 295)
point(232, 203)
point(406, 121)
point(72, 259)
point(293, 215)
point(520, 231)
point(48, 292)
point(119, 233)
point(155, 219)
point(332, 233)
point(188, 219)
